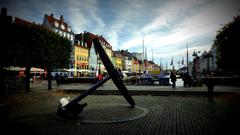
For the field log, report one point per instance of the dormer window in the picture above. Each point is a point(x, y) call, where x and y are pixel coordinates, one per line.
point(62, 26)
point(56, 24)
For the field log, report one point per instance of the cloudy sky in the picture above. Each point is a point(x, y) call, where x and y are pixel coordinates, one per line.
point(166, 26)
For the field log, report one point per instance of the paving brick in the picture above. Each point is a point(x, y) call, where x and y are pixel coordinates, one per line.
point(168, 115)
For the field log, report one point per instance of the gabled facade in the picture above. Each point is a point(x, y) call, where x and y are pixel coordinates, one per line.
point(63, 29)
point(58, 26)
point(118, 60)
point(208, 61)
point(153, 68)
point(93, 59)
point(92, 54)
point(126, 60)
point(81, 55)
point(135, 65)
point(89, 37)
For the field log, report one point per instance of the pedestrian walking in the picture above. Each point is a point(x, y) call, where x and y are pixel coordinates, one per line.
point(100, 77)
point(120, 73)
point(186, 80)
point(209, 81)
point(173, 79)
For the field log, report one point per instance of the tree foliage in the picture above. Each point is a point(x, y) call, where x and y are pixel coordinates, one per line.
point(40, 47)
point(227, 42)
point(34, 45)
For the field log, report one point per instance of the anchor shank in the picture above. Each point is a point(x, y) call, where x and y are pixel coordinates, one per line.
point(90, 90)
point(113, 72)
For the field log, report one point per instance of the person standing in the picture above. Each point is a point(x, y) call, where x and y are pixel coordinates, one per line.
point(100, 77)
point(209, 81)
point(120, 73)
point(173, 79)
point(186, 80)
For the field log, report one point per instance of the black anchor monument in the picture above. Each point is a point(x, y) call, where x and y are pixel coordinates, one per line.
point(73, 108)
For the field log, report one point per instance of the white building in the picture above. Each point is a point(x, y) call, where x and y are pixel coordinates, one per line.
point(93, 60)
point(63, 29)
point(208, 61)
point(58, 26)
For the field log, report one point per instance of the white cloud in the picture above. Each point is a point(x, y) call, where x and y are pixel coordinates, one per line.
point(163, 15)
point(84, 14)
point(164, 25)
point(204, 22)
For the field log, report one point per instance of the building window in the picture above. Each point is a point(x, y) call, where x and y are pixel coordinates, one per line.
point(56, 24)
point(62, 26)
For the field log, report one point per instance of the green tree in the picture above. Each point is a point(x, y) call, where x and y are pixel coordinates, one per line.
point(36, 46)
point(227, 42)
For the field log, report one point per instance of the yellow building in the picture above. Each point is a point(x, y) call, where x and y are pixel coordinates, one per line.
point(150, 66)
point(135, 65)
point(81, 56)
point(118, 61)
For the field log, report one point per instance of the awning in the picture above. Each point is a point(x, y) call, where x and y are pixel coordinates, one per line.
point(78, 70)
point(33, 69)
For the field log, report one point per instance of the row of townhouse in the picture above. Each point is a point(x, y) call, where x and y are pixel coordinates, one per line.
point(205, 63)
point(208, 61)
point(84, 60)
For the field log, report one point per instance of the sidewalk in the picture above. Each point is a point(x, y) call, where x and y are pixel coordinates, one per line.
point(110, 88)
point(168, 115)
point(33, 113)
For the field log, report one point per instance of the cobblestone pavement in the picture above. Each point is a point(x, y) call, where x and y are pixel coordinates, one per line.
point(32, 114)
point(110, 88)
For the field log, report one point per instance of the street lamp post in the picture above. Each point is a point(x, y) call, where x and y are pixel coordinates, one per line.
point(195, 63)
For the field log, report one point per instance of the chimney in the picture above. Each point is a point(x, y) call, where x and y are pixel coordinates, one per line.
point(3, 11)
point(51, 14)
point(61, 18)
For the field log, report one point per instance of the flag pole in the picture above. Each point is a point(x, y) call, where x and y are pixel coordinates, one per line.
point(143, 58)
point(187, 60)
